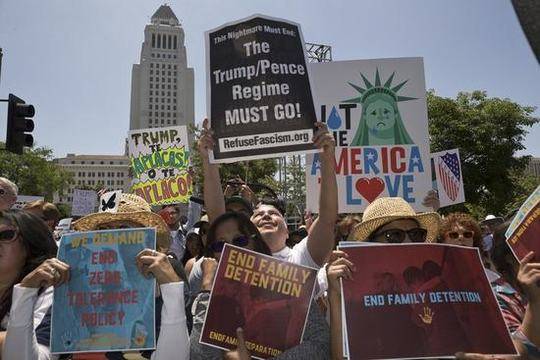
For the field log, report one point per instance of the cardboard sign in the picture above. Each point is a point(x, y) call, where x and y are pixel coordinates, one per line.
point(267, 297)
point(525, 236)
point(531, 201)
point(376, 110)
point(107, 305)
point(259, 97)
point(159, 163)
point(421, 301)
point(84, 202)
point(22, 200)
point(109, 201)
point(447, 168)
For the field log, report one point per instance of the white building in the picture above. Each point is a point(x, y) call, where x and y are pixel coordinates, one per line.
point(162, 86)
point(94, 171)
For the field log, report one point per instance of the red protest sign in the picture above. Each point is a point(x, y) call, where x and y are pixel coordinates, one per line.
point(420, 301)
point(525, 236)
point(267, 297)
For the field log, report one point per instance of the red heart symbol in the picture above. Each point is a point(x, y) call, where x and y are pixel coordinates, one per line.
point(370, 189)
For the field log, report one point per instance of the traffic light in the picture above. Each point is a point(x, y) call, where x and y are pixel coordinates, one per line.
point(18, 124)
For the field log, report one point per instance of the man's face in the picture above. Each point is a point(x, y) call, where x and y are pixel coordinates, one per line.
point(7, 197)
point(269, 221)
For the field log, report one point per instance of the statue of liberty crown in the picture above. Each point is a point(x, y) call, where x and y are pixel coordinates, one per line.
point(378, 88)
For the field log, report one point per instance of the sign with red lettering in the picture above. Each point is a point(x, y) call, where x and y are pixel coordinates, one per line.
point(159, 164)
point(107, 304)
point(376, 110)
point(420, 301)
point(267, 297)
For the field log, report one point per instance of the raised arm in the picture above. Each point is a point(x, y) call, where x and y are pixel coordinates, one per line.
point(213, 193)
point(321, 234)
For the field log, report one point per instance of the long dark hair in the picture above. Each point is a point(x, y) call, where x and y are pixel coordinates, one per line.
point(502, 257)
point(244, 225)
point(38, 243)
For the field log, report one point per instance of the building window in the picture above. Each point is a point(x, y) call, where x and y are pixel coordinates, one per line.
point(169, 73)
point(169, 42)
point(162, 72)
point(150, 99)
point(169, 87)
point(174, 56)
point(151, 65)
point(73, 162)
point(175, 73)
point(158, 41)
point(102, 163)
point(174, 93)
point(174, 67)
point(163, 87)
point(174, 107)
point(158, 55)
point(163, 79)
point(149, 106)
point(82, 162)
point(92, 162)
point(174, 42)
point(151, 86)
point(153, 55)
point(153, 40)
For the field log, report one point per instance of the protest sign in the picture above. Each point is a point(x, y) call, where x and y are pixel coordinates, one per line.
point(22, 200)
point(107, 303)
point(525, 236)
point(109, 201)
point(531, 201)
point(159, 163)
point(376, 110)
point(84, 202)
point(259, 99)
point(447, 168)
point(252, 289)
point(421, 301)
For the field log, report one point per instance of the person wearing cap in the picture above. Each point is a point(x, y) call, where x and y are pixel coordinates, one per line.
point(46, 211)
point(270, 218)
point(387, 221)
point(133, 212)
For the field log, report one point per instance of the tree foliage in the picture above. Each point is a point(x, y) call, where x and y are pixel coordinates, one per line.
point(488, 133)
point(34, 172)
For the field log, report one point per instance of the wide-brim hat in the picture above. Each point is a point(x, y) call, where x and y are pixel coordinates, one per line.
point(387, 209)
point(131, 208)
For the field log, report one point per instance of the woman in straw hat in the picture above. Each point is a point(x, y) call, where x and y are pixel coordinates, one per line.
point(386, 220)
point(133, 212)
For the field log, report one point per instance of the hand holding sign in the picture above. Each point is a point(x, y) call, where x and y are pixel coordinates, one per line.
point(206, 141)
point(322, 139)
point(51, 272)
point(241, 352)
point(529, 277)
point(156, 263)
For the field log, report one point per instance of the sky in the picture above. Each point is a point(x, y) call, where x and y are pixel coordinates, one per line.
point(73, 59)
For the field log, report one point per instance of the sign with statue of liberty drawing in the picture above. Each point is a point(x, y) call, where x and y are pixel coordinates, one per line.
point(376, 110)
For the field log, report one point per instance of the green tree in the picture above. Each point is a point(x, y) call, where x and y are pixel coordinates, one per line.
point(34, 172)
point(488, 132)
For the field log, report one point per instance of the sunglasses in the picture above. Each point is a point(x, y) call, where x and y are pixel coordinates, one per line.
point(8, 235)
point(240, 241)
point(397, 236)
point(455, 234)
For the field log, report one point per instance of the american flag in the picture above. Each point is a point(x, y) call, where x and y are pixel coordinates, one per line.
point(450, 174)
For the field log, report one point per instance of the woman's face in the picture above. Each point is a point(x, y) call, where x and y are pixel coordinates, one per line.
point(229, 232)
point(458, 235)
point(12, 252)
point(380, 116)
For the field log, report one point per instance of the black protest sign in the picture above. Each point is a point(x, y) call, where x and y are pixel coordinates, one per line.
point(259, 96)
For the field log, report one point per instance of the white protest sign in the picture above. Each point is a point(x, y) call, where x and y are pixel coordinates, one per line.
point(84, 202)
point(22, 200)
point(376, 110)
point(109, 201)
point(447, 168)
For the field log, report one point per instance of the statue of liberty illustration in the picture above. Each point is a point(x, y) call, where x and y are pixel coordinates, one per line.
point(380, 122)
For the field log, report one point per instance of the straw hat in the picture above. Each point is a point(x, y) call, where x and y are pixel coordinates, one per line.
point(131, 208)
point(387, 209)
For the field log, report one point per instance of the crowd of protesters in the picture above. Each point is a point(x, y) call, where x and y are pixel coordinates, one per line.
point(189, 247)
